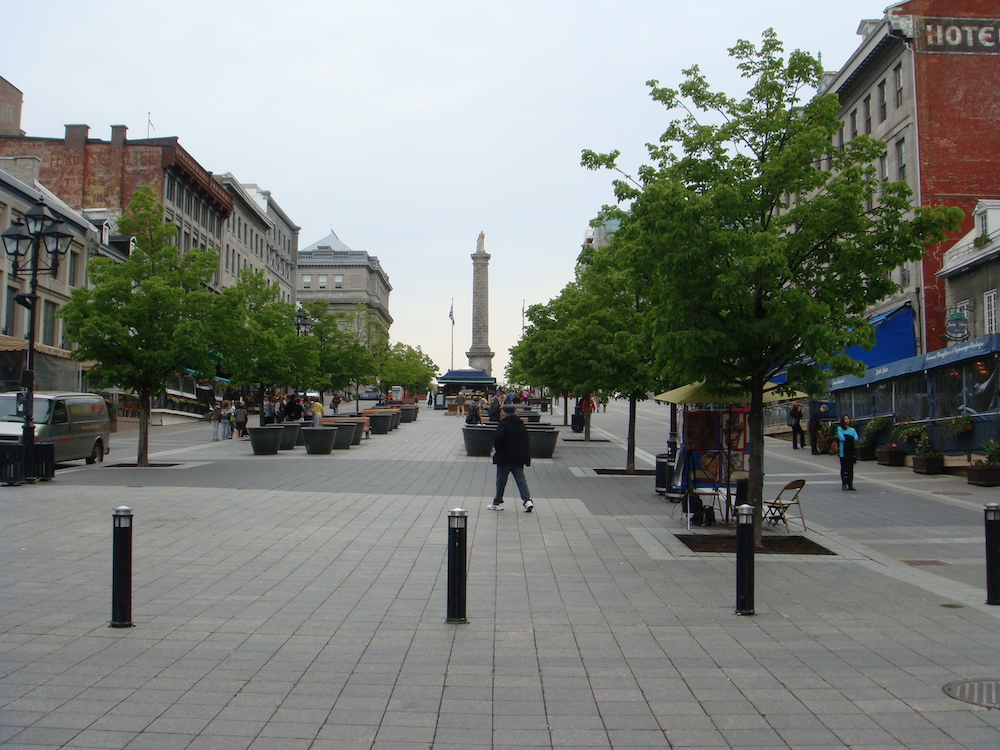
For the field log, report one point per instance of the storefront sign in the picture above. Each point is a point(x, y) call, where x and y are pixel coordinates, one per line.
point(956, 325)
point(960, 36)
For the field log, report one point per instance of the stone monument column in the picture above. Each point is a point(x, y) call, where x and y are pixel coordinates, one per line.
point(480, 356)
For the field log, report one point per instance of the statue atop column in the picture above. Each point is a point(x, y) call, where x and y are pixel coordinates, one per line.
point(479, 354)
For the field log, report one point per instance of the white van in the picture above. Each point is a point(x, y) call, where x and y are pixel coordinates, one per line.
point(77, 423)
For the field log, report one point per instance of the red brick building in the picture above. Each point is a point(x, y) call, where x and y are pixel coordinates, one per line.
point(926, 80)
point(92, 174)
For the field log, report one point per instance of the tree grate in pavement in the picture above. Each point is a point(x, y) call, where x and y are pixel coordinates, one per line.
point(918, 563)
point(984, 693)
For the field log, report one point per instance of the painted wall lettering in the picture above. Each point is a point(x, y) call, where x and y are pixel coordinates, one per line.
point(960, 36)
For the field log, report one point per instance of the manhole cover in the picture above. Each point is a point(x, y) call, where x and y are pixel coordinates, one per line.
point(978, 692)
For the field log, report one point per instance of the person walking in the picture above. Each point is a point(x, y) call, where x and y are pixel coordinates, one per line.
point(267, 416)
point(460, 404)
point(240, 417)
point(317, 412)
point(847, 437)
point(795, 422)
point(511, 455)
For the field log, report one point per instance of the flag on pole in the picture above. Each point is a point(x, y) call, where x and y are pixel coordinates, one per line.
point(451, 314)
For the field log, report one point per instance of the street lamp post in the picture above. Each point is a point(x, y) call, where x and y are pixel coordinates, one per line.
point(25, 239)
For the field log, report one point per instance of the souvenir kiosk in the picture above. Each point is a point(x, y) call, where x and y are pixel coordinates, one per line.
point(713, 455)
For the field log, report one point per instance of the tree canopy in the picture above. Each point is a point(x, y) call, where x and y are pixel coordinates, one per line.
point(761, 243)
point(148, 317)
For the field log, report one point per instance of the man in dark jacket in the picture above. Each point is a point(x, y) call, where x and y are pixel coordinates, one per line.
point(511, 455)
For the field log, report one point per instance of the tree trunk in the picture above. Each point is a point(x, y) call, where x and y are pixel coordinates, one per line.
point(630, 438)
point(565, 410)
point(142, 456)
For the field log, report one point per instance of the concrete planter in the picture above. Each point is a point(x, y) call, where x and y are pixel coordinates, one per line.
point(478, 440)
point(290, 435)
point(866, 452)
point(542, 443)
point(381, 423)
point(344, 438)
point(265, 441)
point(318, 440)
point(407, 414)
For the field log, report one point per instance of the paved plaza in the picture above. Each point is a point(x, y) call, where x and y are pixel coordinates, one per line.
point(299, 602)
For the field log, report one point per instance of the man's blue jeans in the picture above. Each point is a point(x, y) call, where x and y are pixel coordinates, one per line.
point(522, 484)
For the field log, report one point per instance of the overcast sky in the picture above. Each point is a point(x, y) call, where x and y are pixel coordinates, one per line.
point(406, 127)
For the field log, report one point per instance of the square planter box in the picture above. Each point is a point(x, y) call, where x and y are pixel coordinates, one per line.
point(887, 457)
point(984, 476)
point(928, 464)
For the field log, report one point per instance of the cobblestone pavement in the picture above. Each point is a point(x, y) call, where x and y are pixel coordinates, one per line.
point(298, 601)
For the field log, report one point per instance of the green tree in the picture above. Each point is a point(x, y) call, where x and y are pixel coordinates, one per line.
point(761, 243)
point(343, 358)
point(408, 367)
point(145, 318)
point(254, 334)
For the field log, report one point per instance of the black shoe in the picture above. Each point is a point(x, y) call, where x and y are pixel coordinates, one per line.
point(815, 453)
point(852, 489)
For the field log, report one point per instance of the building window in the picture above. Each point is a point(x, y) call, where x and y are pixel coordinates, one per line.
point(321, 281)
point(897, 82)
point(307, 281)
point(49, 323)
point(881, 102)
point(868, 114)
point(904, 276)
point(883, 168)
point(74, 263)
point(901, 159)
point(338, 281)
point(10, 314)
point(990, 312)
point(854, 123)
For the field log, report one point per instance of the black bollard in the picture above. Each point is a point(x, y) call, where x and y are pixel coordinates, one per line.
point(457, 519)
point(744, 560)
point(992, 512)
point(121, 568)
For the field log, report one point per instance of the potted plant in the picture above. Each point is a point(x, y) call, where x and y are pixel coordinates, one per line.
point(866, 444)
point(956, 426)
point(986, 473)
point(891, 455)
point(925, 459)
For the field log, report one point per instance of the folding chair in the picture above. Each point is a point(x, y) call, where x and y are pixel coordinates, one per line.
point(776, 511)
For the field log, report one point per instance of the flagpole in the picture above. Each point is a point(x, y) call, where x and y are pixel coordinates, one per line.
point(451, 315)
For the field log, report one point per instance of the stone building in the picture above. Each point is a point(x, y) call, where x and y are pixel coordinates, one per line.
point(348, 280)
point(258, 236)
point(19, 191)
point(924, 81)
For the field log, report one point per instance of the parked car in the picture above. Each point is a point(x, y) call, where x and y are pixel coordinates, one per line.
point(77, 423)
point(371, 396)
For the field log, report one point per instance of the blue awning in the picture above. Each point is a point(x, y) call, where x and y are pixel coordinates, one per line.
point(895, 338)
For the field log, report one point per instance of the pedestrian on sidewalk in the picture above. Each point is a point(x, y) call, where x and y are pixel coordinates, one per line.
point(215, 417)
point(816, 415)
point(795, 422)
point(511, 455)
point(847, 437)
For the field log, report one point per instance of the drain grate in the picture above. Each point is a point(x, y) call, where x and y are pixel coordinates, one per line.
point(918, 563)
point(984, 693)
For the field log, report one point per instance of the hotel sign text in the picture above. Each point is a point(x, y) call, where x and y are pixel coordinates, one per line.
point(960, 36)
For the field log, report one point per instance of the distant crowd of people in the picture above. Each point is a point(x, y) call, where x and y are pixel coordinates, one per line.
point(230, 418)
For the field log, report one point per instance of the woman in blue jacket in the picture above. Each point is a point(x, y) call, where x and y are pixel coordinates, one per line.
point(847, 437)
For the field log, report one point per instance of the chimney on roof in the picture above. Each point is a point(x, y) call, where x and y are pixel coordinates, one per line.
point(118, 135)
point(76, 135)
